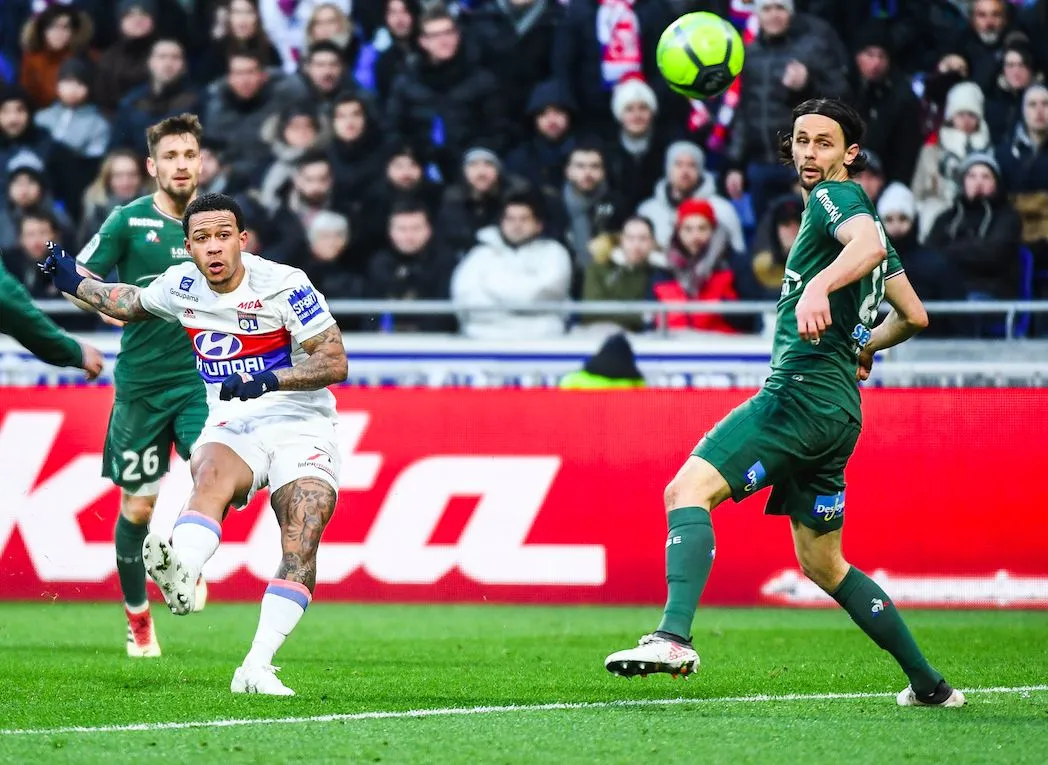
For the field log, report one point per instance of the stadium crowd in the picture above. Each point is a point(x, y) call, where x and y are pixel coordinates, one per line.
point(513, 151)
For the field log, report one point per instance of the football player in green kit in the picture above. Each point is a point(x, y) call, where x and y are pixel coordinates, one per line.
point(797, 434)
point(160, 399)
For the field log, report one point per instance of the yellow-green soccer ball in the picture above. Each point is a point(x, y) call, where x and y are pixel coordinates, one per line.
point(700, 55)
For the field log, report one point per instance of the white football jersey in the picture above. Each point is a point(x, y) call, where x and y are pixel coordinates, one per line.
point(257, 327)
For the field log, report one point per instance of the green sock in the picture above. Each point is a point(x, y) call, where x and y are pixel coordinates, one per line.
point(129, 565)
point(869, 607)
point(689, 558)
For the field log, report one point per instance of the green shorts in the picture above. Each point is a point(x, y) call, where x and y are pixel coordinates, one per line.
point(796, 445)
point(142, 431)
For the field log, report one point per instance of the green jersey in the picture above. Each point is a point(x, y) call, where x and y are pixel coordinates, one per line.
point(141, 242)
point(826, 370)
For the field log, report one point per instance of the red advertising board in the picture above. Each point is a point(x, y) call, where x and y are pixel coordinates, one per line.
point(553, 496)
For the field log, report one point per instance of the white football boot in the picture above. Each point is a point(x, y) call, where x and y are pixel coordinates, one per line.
point(259, 678)
point(654, 653)
point(175, 580)
point(141, 636)
point(907, 698)
point(201, 594)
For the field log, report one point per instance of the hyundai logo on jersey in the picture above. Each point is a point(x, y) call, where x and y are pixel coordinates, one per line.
point(220, 354)
point(217, 345)
point(186, 283)
point(305, 304)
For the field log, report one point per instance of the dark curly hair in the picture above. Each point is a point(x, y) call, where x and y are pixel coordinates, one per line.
point(850, 121)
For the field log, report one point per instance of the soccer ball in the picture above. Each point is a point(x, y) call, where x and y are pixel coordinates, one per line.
point(700, 55)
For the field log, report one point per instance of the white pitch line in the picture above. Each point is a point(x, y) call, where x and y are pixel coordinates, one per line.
point(462, 711)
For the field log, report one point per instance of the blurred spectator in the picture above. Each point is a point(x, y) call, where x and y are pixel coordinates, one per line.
point(216, 175)
point(595, 213)
point(793, 58)
point(472, 204)
point(626, 274)
point(329, 242)
point(885, 99)
point(237, 31)
point(1034, 22)
point(393, 45)
point(872, 178)
point(929, 271)
point(329, 23)
point(936, 180)
point(540, 160)
point(285, 22)
point(321, 78)
point(901, 20)
point(697, 267)
point(356, 151)
point(636, 156)
point(33, 230)
point(1004, 101)
point(18, 134)
point(1024, 169)
point(601, 41)
point(513, 264)
point(168, 93)
point(290, 135)
point(413, 267)
point(309, 193)
point(613, 366)
point(775, 235)
point(55, 35)
point(686, 178)
point(27, 190)
point(445, 102)
point(120, 181)
point(236, 109)
point(980, 234)
point(125, 64)
point(981, 42)
point(73, 121)
point(515, 41)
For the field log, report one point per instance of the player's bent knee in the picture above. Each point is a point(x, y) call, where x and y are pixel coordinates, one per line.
point(137, 508)
point(823, 569)
point(697, 484)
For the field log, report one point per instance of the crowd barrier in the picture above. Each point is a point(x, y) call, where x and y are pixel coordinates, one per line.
point(556, 497)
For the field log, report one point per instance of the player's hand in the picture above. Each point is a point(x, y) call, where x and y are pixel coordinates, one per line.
point(813, 315)
point(111, 321)
point(60, 267)
point(734, 184)
point(93, 361)
point(865, 366)
point(245, 386)
point(796, 76)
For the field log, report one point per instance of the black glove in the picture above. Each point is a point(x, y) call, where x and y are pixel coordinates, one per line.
point(61, 269)
point(245, 386)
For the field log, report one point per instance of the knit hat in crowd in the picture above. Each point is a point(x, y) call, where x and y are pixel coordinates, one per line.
point(75, 69)
point(482, 154)
point(981, 158)
point(701, 207)
point(630, 90)
point(965, 97)
point(148, 7)
point(787, 4)
point(685, 147)
point(873, 34)
point(897, 199)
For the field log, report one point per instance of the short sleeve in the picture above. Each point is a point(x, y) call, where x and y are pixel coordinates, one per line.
point(893, 262)
point(306, 309)
point(104, 251)
point(838, 203)
point(157, 297)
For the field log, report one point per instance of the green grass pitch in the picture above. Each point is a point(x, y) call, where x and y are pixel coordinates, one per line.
point(62, 665)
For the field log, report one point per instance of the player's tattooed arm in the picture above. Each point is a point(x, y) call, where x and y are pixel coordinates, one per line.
point(303, 508)
point(325, 366)
point(121, 301)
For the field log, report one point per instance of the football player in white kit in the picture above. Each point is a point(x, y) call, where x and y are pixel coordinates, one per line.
point(267, 348)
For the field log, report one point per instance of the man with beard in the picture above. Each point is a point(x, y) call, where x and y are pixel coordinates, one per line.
point(797, 434)
point(160, 399)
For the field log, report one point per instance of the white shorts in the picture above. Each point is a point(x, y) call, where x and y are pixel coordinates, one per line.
point(279, 450)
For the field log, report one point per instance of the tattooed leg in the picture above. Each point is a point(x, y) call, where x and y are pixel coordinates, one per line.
point(303, 508)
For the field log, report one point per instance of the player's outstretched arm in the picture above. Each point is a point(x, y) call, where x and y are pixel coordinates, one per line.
point(906, 318)
point(121, 301)
point(325, 366)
